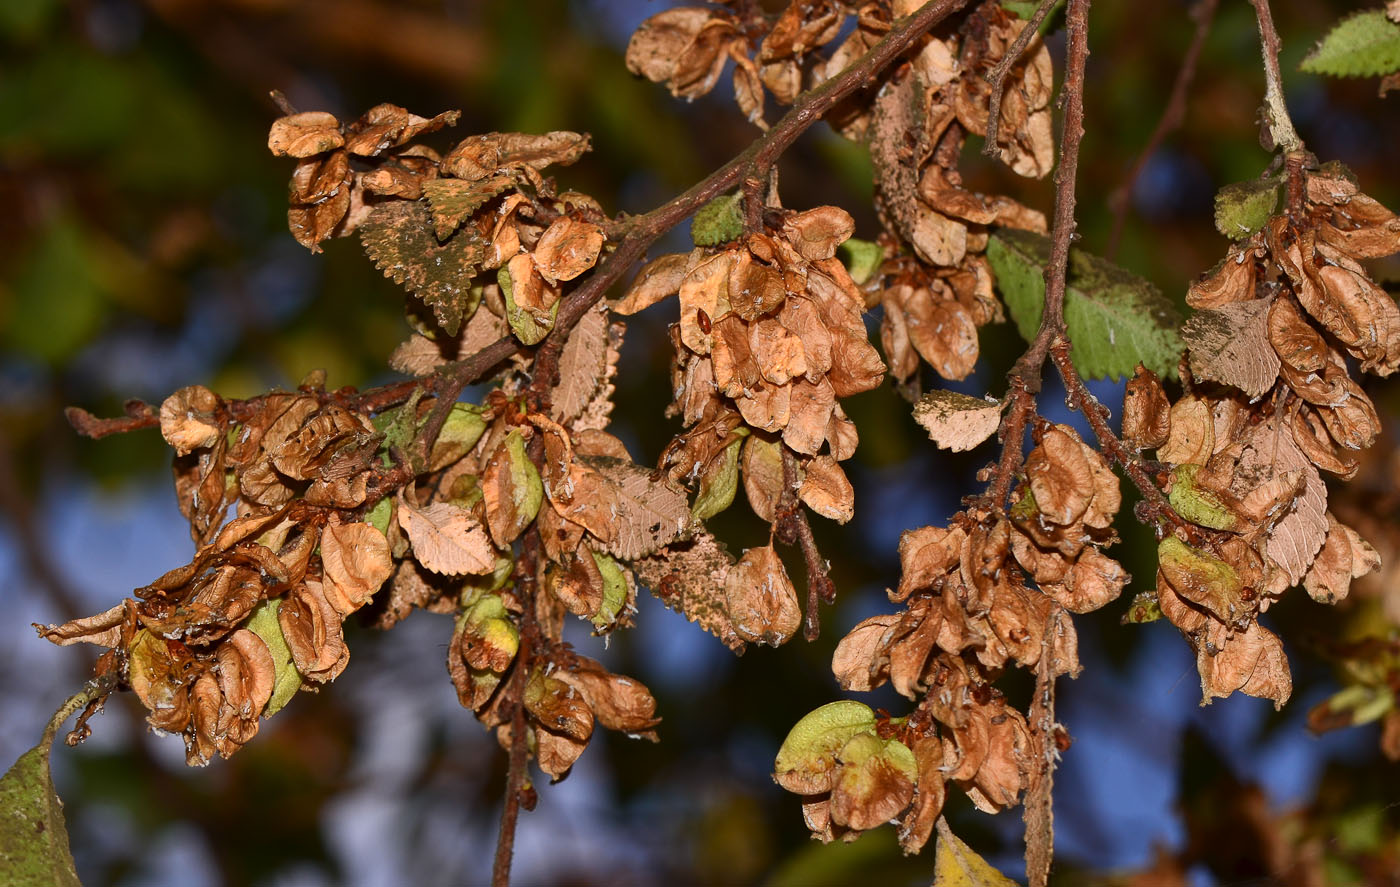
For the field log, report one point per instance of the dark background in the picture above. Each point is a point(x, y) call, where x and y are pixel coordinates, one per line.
point(143, 247)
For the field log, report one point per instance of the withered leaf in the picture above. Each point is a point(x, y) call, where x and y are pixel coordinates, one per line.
point(479, 156)
point(760, 598)
point(399, 238)
point(446, 538)
point(689, 577)
point(1230, 344)
point(957, 422)
point(420, 355)
point(104, 629)
point(626, 507)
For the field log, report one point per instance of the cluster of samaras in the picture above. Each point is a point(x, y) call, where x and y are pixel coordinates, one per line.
point(1269, 404)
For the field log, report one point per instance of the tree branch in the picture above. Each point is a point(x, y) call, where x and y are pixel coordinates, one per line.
point(1281, 131)
point(517, 770)
point(1003, 68)
point(1026, 374)
point(1120, 201)
point(644, 230)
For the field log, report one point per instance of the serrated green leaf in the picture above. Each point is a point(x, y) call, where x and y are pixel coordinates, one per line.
point(523, 323)
point(33, 836)
point(614, 590)
point(1114, 318)
point(452, 200)
point(719, 221)
point(862, 258)
point(1244, 207)
point(399, 239)
point(808, 755)
point(1365, 44)
point(287, 680)
point(717, 488)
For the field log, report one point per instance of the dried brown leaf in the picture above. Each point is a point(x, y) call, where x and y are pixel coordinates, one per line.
point(1230, 344)
point(446, 538)
point(957, 422)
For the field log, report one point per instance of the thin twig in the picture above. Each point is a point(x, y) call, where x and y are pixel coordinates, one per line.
point(1026, 374)
point(141, 415)
point(1120, 201)
point(794, 529)
point(1281, 131)
point(517, 770)
point(1080, 398)
point(1003, 68)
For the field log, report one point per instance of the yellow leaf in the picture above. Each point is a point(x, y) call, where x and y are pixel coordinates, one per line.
point(956, 865)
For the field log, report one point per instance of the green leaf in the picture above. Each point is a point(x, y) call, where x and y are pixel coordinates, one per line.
point(522, 322)
point(717, 488)
point(452, 200)
point(287, 680)
point(719, 221)
point(1244, 207)
point(399, 239)
point(1365, 44)
point(1114, 318)
point(33, 837)
point(808, 754)
point(956, 865)
point(614, 590)
point(862, 258)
